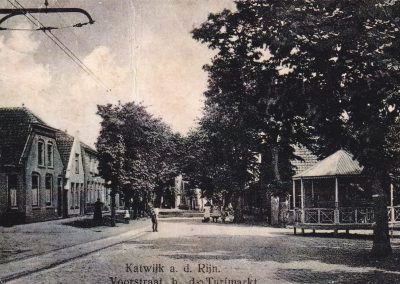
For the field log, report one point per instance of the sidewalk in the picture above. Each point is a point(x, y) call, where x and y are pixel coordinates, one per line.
point(33, 247)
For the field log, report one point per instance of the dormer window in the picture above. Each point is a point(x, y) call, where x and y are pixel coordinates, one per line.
point(50, 155)
point(41, 153)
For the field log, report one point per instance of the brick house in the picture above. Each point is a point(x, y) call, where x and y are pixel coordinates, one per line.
point(74, 174)
point(31, 170)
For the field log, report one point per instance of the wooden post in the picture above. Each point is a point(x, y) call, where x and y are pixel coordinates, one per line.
point(302, 201)
point(336, 193)
point(336, 212)
point(294, 194)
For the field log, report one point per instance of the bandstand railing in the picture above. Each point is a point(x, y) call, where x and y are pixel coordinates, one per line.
point(341, 215)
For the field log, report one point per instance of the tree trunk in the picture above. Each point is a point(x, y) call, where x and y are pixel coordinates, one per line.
point(238, 210)
point(275, 162)
point(112, 208)
point(381, 242)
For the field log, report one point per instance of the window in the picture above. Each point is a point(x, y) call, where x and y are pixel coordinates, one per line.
point(35, 189)
point(91, 165)
point(77, 163)
point(12, 190)
point(50, 155)
point(49, 189)
point(40, 153)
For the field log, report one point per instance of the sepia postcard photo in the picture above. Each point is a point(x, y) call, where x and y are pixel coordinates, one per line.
point(199, 141)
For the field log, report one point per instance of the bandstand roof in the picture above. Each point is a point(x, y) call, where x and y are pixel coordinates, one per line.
point(340, 163)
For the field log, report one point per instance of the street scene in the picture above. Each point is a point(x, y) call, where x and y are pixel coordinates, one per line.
point(199, 141)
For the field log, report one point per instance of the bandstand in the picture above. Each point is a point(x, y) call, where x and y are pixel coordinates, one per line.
point(334, 195)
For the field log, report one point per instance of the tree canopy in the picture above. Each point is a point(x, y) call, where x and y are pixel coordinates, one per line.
point(324, 74)
point(138, 152)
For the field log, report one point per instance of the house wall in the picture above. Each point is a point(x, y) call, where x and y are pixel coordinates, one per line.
point(42, 211)
point(94, 184)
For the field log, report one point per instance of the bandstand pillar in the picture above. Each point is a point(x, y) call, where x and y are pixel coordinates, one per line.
point(336, 212)
point(294, 194)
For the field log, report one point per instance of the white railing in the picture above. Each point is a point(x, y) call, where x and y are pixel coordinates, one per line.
point(319, 216)
point(342, 215)
point(359, 215)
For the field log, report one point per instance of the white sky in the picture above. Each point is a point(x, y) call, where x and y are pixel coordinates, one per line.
point(142, 50)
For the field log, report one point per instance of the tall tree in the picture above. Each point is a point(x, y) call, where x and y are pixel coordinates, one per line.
point(247, 77)
point(111, 149)
point(321, 73)
point(137, 151)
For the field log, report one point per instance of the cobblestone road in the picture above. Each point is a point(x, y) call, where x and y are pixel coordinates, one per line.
point(188, 251)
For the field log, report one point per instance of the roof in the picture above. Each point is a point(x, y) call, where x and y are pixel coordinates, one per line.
point(64, 145)
point(306, 159)
point(340, 163)
point(88, 148)
point(15, 128)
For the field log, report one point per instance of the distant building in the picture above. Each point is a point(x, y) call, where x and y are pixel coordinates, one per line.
point(31, 169)
point(187, 197)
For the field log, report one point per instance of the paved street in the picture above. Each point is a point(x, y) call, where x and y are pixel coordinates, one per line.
point(225, 254)
point(22, 241)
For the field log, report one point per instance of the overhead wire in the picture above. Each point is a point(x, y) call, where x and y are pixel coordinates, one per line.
point(61, 45)
point(67, 50)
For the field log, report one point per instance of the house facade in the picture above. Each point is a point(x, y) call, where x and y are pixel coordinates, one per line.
point(31, 170)
point(95, 187)
point(74, 174)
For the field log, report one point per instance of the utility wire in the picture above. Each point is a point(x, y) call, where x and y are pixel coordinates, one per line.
point(62, 46)
point(67, 51)
point(64, 23)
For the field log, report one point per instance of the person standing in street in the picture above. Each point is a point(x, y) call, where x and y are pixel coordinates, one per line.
point(153, 212)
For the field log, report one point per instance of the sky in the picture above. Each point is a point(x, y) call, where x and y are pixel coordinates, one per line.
point(140, 49)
